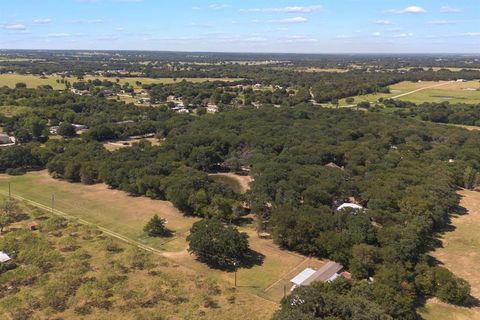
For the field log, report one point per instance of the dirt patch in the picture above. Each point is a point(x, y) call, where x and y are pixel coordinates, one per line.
point(243, 181)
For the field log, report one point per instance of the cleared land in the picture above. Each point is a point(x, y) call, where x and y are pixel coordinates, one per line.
point(460, 254)
point(237, 182)
point(33, 81)
point(125, 215)
point(116, 145)
point(428, 91)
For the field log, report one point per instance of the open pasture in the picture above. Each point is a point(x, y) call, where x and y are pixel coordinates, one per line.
point(116, 211)
point(428, 91)
point(33, 81)
point(460, 255)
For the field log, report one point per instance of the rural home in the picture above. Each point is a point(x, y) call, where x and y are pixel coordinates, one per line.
point(212, 108)
point(4, 257)
point(329, 272)
point(348, 205)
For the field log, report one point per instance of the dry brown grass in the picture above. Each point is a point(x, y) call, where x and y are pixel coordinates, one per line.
point(460, 254)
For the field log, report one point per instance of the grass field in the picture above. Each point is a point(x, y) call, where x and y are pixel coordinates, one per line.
point(453, 92)
point(159, 287)
point(33, 81)
point(460, 254)
point(126, 215)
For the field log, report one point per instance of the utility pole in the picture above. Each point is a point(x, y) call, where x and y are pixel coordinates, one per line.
point(235, 265)
point(9, 191)
point(53, 202)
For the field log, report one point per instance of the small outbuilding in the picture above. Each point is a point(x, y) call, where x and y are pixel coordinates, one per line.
point(4, 257)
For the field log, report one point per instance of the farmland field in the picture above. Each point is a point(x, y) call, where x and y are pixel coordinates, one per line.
point(453, 92)
point(125, 215)
point(33, 81)
point(460, 255)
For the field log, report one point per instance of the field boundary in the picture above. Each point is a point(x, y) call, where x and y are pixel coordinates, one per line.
point(88, 223)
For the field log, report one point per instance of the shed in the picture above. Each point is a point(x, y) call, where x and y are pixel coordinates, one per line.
point(302, 276)
point(4, 257)
point(329, 272)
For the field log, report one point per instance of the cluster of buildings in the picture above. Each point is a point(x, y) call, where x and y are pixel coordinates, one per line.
point(79, 128)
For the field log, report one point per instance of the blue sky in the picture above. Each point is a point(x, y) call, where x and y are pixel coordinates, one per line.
point(328, 26)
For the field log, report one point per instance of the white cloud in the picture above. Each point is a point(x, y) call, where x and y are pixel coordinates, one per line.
point(92, 21)
point(471, 34)
point(440, 22)
point(256, 39)
point(14, 26)
point(446, 9)
point(403, 35)
point(384, 22)
point(42, 21)
point(218, 6)
point(342, 36)
point(299, 38)
point(58, 35)
point(290, 20)
point(376, 34)
point(290, 9)
point(411, 9)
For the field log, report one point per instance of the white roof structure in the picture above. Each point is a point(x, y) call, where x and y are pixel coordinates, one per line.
point(350, 206)
point(4, 257)
point(302, 276)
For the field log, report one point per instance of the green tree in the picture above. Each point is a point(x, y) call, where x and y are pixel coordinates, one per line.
point(156, 227)
point(216, 244)
point(67, 130)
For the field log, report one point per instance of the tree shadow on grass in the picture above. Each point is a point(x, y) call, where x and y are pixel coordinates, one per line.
point(252, 259)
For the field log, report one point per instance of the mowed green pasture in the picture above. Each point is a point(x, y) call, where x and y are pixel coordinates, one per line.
point(126, 215)
point(429, 91)
point(133, 81)
point(460, 254)
point(33, 81)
